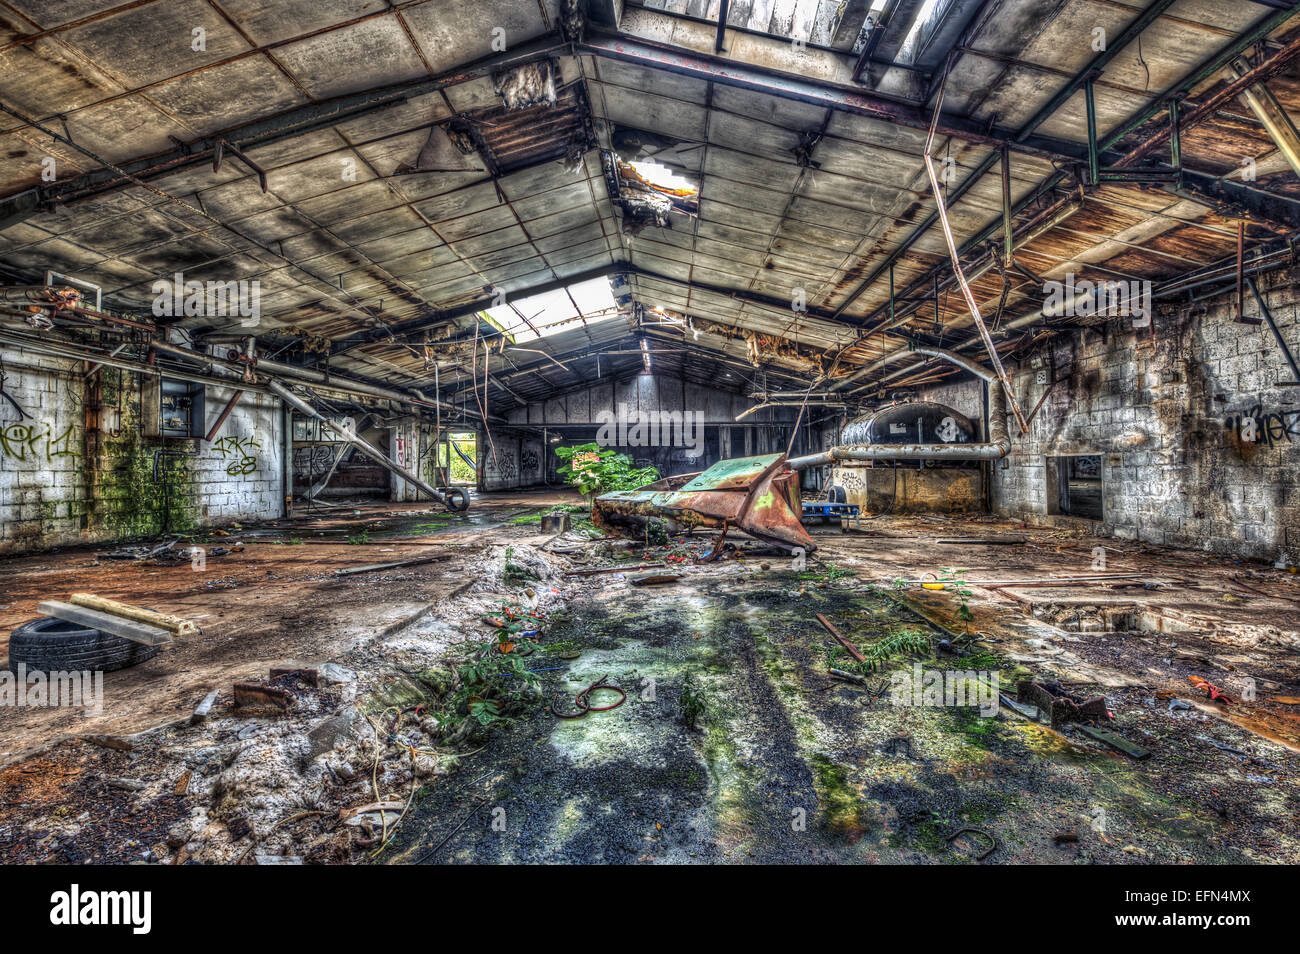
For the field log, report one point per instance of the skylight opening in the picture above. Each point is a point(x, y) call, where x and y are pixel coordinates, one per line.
point(910, 48)
point(660, 175)
point(552, 312)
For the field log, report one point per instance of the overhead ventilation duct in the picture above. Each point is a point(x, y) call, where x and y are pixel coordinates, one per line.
point(995, 448)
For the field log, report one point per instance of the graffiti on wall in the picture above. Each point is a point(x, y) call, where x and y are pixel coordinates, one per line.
point(239, 453)
point(1265, 427)
point(35, 442)
point(314, 460)
point(503, 465)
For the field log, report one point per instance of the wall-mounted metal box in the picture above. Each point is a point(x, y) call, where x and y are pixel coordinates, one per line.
point(172, 408)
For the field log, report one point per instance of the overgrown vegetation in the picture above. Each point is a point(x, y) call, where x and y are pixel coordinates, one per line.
point(495, 686)
point(514, 574)
point(955, 582)
point(691, 703)
point(829, 573)
point(596, 470)
point(904, 641)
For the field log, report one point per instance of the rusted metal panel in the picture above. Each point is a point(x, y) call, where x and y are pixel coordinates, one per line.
point(758, 495)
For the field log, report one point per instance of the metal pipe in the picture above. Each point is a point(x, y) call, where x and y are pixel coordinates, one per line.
point(1272, 326)
point(995, 448)
point(361, 444)
point(344, 385)
point(59, 350)
point(225, 413)
point(1270, 113)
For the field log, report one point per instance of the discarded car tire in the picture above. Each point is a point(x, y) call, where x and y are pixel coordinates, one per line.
point(457, 498)
point(55, 645)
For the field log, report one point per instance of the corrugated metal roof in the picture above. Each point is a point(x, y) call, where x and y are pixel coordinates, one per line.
point(380, 232)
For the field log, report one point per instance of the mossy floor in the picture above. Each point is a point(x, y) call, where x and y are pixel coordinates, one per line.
point(787, 765)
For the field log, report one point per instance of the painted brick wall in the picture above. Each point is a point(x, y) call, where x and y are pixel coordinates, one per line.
point(61, 486)
point(42, 483)
point(1170, 417)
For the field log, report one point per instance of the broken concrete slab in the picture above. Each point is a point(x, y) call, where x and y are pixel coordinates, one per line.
point(327, 735)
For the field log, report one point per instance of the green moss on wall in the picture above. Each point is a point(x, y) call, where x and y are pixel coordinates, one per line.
point(133, 498)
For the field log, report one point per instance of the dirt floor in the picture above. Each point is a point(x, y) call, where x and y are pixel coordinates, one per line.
point(385, 759)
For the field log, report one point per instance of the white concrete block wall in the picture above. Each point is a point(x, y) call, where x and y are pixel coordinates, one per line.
point(42, 481)
point(239, 474)
point(1166, 414)
point(44, 494)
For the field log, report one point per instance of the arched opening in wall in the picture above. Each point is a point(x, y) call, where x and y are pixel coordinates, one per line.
point(1074, 486)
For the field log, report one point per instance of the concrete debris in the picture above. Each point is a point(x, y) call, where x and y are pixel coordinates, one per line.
point(334, 674)
point(329, 734)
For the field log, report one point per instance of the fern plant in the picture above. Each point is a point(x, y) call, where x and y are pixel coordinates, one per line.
point(596, 470)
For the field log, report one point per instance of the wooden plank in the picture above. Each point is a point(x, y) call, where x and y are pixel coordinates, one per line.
point(1115, 741)
point(374, 567)
point(204, 709)
point(94, 619)
point(173, 624)
point(853, 650)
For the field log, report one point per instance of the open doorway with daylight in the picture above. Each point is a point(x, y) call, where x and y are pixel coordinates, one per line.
point(456, 461)
point(1074, 486)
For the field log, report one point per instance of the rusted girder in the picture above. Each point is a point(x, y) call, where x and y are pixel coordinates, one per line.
point(759, 495)
point(1270, 67)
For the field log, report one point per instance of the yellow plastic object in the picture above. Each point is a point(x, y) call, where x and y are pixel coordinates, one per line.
point(931, 586)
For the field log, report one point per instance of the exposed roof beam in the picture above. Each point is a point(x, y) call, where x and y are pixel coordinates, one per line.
point(1113, 49)
point(284, 125)
point(731, 71)
point(1206, 70)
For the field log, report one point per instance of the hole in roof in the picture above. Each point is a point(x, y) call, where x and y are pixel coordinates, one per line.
point(552, 312)
point(927, 21)
point(659, 175)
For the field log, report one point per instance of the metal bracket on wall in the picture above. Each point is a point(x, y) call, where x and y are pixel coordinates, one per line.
point(1277, 335)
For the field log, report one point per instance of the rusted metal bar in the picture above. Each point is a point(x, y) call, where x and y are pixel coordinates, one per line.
point(970, 297)
point(853, 650)
point(1241, 274)
point(1008, 225)
point(225, 413)
point(1034, 413)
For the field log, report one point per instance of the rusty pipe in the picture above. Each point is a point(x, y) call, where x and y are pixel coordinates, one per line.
point(995, 448)
point(361, 444)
